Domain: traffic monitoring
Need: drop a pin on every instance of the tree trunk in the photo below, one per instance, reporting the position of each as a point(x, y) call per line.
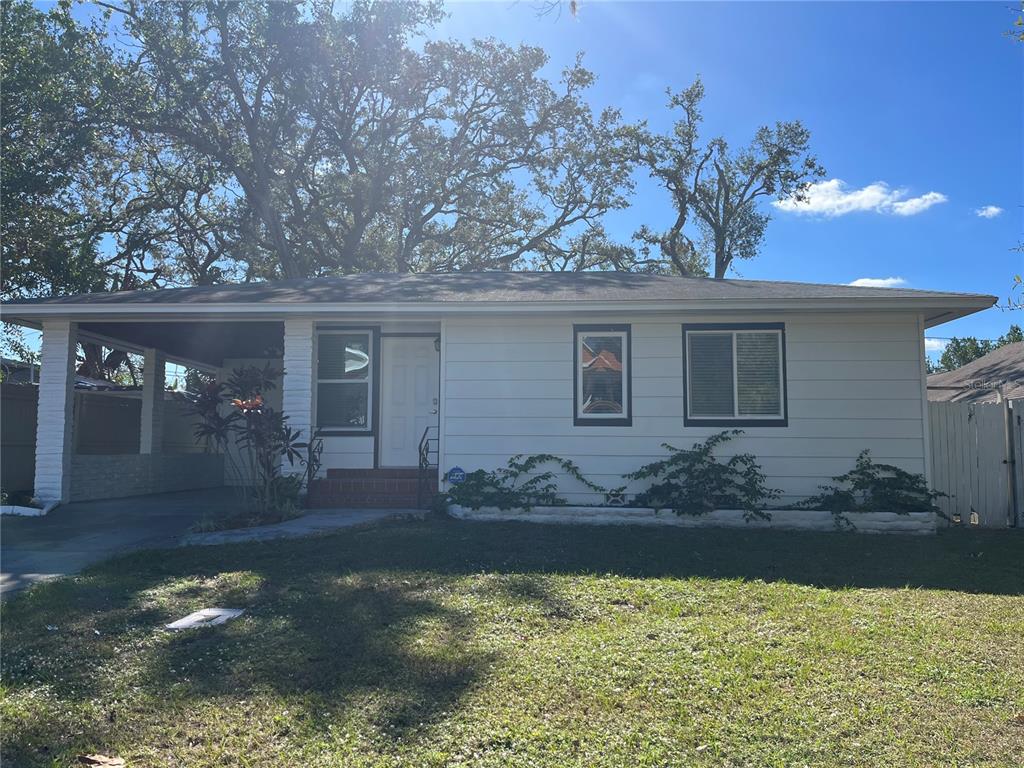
point(722, 258)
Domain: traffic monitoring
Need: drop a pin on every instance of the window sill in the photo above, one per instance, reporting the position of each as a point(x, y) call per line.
point(617, 422)
point(740, 422)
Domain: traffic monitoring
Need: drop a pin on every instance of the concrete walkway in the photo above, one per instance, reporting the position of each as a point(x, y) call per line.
point(75, 536)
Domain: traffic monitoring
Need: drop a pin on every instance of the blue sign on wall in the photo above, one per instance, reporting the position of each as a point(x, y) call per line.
point(456, 475)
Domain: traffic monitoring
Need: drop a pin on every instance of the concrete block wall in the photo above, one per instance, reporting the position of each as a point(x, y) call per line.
point(117, 476)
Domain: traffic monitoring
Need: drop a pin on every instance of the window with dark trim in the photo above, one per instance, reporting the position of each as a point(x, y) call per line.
point(344, 380)
point(735, 375)
point(602, 379)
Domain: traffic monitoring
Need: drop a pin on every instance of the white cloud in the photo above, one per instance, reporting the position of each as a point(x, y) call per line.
point(834, 198)
point(878, 282)
point(935, 345)
point(916, 205)
point(989, 211)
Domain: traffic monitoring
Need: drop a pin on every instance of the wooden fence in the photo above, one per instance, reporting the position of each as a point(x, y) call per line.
point(976, 456)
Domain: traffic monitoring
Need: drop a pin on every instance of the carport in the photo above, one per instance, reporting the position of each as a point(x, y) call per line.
point(141, 442)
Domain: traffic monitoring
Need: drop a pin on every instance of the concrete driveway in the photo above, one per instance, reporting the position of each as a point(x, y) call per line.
point(77, 535)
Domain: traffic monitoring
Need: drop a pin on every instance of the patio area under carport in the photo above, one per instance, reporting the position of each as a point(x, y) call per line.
point(153, 449)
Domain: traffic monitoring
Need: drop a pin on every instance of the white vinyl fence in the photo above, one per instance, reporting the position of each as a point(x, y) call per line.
point(976, 455)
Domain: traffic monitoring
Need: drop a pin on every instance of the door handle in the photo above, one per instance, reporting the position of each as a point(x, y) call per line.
point(433, 410)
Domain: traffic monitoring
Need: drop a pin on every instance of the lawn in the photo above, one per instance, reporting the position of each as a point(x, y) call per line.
point(450, 643)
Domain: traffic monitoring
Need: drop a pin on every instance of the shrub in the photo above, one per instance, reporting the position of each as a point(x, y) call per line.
point(514, 487)
point(871, 487)
point(234, 413)
point(693, 482)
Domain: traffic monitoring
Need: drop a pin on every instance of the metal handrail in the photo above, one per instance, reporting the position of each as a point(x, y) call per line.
point(425, 464)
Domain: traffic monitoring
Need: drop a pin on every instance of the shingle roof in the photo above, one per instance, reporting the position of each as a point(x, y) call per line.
point(492, 287)
point(1004, 366)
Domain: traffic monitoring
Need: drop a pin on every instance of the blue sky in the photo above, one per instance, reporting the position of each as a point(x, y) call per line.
point(922, 97)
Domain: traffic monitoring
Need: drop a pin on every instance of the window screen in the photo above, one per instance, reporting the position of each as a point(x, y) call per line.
point(758, 366)
point(711, 390)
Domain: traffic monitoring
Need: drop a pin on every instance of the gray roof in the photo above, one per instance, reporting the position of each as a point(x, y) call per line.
point(1003, 366)
point(492, 287)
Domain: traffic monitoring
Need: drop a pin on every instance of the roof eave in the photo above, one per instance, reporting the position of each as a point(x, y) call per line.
point(936, 310)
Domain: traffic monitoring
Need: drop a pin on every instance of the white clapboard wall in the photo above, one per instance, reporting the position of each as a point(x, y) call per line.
point(970, 461)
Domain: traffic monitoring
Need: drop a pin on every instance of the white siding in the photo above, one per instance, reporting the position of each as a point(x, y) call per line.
point(297, 379)
point(854, 382)
point(56, 400)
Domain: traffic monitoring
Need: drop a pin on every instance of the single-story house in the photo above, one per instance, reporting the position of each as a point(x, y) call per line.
point(1000, 373)
point(598, 367)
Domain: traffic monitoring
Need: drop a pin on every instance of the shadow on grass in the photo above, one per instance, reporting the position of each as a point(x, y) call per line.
point(974, 561)
point(372, 620)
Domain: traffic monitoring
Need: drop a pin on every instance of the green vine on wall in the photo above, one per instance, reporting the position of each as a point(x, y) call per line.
point(873, 487)
point(694, 482)
point(516, 487)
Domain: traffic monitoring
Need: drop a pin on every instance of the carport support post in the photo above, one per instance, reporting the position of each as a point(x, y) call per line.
point(297, 383)
point(152, 422)
point(56, 408)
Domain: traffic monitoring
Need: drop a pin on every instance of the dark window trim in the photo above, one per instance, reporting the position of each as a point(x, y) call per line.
point(596, 421)
point(739, 421)
point(374, 331)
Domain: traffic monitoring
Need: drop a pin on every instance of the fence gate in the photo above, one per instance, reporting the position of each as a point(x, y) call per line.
point(976, 453)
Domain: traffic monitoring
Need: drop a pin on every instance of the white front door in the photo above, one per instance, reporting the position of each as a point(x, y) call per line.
point(410, 367)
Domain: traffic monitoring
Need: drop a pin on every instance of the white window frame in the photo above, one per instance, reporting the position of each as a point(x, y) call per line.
point(775, 419)
point(625, 418)
point(368, 381)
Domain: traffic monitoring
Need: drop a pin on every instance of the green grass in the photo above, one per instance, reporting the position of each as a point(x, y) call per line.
point(447, 643)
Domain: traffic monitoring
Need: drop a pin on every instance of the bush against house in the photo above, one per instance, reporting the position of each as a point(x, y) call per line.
point(694, 481)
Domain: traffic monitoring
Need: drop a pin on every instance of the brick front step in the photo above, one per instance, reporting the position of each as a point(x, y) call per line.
point(370, 488)
point(385, 473)
point(319, 501)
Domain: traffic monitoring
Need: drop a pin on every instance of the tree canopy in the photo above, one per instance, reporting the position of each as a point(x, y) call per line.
point(963, 350)
point(715, 190)
point(201, 142)
point(327, 142)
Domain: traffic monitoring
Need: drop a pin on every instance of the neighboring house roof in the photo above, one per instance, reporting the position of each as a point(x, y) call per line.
point(974, 382)
point(507, 290)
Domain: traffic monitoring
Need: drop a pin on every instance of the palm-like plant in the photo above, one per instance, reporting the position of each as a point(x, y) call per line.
point(235, 420)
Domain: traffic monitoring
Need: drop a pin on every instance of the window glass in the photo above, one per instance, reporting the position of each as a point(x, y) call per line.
point(757, 374)
point(343, 405)
point(710, 375)
point(343, 356)
point(734, 374)
point(602, 374)
point(344, 374)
